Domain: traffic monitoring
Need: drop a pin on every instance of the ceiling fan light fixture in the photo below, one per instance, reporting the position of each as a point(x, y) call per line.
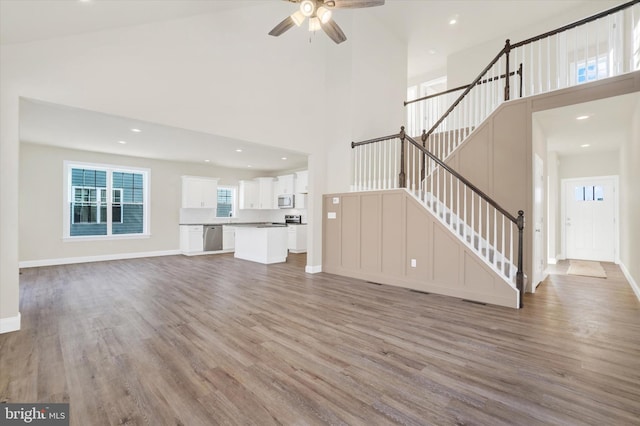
point(314, 24)
point(298, 18)
point(323, 14)
point(307, 7)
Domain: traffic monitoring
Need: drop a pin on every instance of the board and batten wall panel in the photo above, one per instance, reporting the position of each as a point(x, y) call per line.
point(370, 233)
point(385, 230)
point(350, 236)
point(418, 246)
point(392, 234)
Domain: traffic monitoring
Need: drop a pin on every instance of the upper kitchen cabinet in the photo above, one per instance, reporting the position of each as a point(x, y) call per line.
point(199, 192)
point(257, 194)
point(284, 185)
point(248, 194)
point(265, 193)
point(302, 182)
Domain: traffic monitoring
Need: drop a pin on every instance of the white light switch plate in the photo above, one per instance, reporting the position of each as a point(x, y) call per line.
point(413, 263)
point(331, 215)
point(336, 200)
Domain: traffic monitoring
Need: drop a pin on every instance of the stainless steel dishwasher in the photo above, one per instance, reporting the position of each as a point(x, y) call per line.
point(212, 237)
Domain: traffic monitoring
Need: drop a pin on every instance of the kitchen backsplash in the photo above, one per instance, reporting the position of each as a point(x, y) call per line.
point(197, 216)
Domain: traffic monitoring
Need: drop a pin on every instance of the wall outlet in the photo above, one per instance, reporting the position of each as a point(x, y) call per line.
point(413, 263)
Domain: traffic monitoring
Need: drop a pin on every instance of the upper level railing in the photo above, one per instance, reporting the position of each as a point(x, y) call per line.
point(399, 161)
point(601, 46)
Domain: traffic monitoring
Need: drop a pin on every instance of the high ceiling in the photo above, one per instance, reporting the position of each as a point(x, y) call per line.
point(423, 24)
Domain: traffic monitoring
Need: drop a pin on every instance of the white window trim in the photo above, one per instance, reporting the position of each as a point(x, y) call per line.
point(109, 168)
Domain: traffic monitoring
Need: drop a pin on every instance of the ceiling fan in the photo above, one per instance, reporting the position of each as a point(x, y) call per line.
point(319, 14)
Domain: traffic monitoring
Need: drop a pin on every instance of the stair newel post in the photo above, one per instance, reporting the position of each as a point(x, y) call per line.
point(507, 50)
point(520, 273)
point(423, 173)
point(402, 178)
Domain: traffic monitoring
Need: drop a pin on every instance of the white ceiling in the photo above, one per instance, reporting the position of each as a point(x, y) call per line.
point(56, 125)
point(608, 123)
point(422, 23)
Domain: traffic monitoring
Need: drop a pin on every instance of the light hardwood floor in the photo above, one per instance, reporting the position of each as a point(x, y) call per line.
point(210, 340)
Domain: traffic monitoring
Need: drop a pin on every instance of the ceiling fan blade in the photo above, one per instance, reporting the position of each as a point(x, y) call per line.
point(354, 4)
point(283, 26)
point(333, 31)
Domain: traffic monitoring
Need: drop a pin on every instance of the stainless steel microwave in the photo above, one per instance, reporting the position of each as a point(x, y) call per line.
point(285, 201)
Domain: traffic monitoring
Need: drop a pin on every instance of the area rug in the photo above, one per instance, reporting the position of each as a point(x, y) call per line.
point(586, 268)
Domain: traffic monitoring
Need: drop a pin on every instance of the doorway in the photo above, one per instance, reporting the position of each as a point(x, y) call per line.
point(589, 218)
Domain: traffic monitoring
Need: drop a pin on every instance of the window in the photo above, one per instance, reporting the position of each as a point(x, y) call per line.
point(590, 71)
point(90, 212)
point(226, 201)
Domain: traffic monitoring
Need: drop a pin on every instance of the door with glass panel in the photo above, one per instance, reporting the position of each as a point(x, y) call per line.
point(590, 218)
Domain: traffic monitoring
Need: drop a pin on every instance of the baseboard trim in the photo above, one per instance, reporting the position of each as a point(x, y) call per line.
point(100, 258)
point(7, 325)
point(315, 269)
point(632, 282)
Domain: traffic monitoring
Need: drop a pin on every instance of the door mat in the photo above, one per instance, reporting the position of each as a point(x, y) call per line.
point(586, 268)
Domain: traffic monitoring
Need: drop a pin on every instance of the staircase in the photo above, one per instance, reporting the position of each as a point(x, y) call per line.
point(598, 47)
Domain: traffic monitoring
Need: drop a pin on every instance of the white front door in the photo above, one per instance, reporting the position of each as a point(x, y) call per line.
point(538, 223)
point(590, 218)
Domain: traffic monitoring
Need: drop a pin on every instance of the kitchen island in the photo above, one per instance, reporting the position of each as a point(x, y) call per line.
point(261, 243)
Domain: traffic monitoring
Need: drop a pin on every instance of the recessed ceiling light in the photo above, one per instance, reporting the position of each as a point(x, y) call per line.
point(283, 158)
point(453, 20)
point(136, 130)
point(122, 142)
point(432, 51)
point(585, 145)
point(206, 161)
point(238, 150)
point(582, 117)
point(249, 165)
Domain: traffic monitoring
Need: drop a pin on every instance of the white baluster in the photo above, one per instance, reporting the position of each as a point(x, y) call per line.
point(488, 230)
point(464, 200)
point(495, 236)
point(502, 249)
point(479, 222)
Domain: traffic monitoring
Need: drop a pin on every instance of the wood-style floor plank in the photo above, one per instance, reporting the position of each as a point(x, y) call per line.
point(210, 340)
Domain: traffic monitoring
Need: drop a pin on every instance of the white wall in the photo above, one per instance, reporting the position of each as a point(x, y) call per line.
point(630, 203)
point(589, 164)
point(219, 74)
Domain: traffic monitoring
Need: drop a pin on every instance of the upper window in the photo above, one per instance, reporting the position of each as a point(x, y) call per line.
point(91, 212)
point(226, 202)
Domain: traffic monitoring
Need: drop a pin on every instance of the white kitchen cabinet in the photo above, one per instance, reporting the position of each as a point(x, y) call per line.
point(228, 237)
point(265, 193)
point(248, 194)
point(191, 239)
point(300, 201)
point(302, 182)
point(257, 194)
point(285, 185)
point(199, 192)
point(297, 241)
